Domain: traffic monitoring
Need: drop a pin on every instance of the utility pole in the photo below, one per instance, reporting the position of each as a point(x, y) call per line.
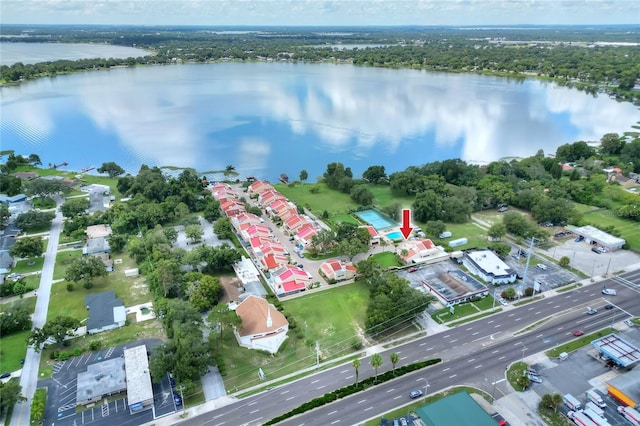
point(606, 274)
point(184, 404)
point(526, 268)
point(317, 355)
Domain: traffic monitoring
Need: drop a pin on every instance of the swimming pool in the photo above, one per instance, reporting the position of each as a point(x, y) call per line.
point(395, 235)
point(376, 219)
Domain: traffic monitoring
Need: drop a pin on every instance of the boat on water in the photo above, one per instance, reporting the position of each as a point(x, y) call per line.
point(284, 178)
point(87, 169)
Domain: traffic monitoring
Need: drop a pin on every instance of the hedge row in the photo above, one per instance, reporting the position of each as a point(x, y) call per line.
point(343, 392)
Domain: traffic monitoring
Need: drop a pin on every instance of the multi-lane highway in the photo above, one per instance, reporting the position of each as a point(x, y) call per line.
point(471, 353)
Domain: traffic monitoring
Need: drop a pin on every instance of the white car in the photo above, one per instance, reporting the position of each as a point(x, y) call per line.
point(541, 266)
point(534, 378)
point(502, 301)
point(609, 292)
point(629, 323)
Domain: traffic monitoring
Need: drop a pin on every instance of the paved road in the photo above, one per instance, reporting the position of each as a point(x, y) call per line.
point(471, 353)
point(29, 378)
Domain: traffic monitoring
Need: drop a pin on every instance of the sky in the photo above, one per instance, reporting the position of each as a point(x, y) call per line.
point(320, 12)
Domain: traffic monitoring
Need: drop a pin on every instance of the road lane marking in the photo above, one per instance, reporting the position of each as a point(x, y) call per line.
point(253, 403)
point(489, 322)
point(451, 377)
point(471, 360)
point(496, 351)
point(282, 393)
point(344, 371)
point(333, 412)
point(448, 368)
point(290, 398)
point(334, 422)
point(399, 396)
point(510, 315)
point(422, 344)
point(470, 328)
point(453, 341)
point(390, 390)
point(403, 358)
point(477, 332)
point(517, 319)
point(478, 366)
point(320, 387)
point(315, 381)
point(368, 408)
point(530, 309)
point(253, 412)
point(502, 357)
point(360, 402)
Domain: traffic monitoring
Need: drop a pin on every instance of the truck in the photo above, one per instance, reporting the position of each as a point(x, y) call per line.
point(630, 414)
point(593, 407)
point(596, 398)
point(599, 420)
point(580, 418)
point(571, 402)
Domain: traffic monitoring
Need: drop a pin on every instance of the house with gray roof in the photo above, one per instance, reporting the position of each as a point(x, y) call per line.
point(96, 246)
point(106, 312)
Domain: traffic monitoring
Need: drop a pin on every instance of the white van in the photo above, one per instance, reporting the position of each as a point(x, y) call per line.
point(596, 398)
point(593, 407)
point(571, 402)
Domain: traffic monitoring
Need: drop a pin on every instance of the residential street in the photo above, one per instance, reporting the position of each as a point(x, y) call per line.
point(29, 377)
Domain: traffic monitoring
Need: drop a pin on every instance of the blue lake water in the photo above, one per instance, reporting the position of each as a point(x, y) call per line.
point(32, 53)
point(272, 118)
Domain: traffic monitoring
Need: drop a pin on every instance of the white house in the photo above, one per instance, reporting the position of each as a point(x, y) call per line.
point(263, 326)
point(489, 267)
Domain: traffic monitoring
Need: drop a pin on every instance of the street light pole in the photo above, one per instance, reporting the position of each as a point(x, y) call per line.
point(426, 386)
point(526, 268)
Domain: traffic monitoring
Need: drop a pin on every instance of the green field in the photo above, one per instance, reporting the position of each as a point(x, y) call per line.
point(344, 218)
point(327, 199)
point(132, 291)
point(386, 259)
point(476, 236)
point(63, 260)
point(26, 266)
point(13, 348)
point(329, 317)
point(383, 196)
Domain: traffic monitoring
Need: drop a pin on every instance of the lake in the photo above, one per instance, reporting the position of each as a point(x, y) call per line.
point(271, 118)
point(32, 53)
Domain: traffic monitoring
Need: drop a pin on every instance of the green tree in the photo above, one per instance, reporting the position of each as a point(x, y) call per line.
point(509, 293)
point(374, 174)
point(10, 185)
point(10, 394)
point(427, 206)
point(356, 366)
point(362, 195)
point(16, 317)
point(303, 175)
point(171, 234)
point(564, 261)
point(223, 228)
point(33, 220)
point(455, 210)
point(194, 233)
point(351, 247)
point(205, 292)
point(4, 216)
point(27, 247)
point(58, 328)
point(376, 362)
point(84, 269)
point(394, 357)
point(111, 168)
point(45, 188)
point(222, 318)
point(72, 207)
point(497, 230)
point(500, 248)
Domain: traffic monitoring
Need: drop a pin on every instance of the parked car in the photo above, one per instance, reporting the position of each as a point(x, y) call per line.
point(177, 399)
point(415, 394)
point(535, 378)
point(403, 421)
point(5, 375)
point(580, 238)
point(598, 250)
point(502, 301)
point(503, 209)
point(541, 266)
point(578, 333)
point(413, 269)
point(629, 323)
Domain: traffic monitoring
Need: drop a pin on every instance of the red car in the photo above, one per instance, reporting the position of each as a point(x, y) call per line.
point(578, 333)
point(413, 269)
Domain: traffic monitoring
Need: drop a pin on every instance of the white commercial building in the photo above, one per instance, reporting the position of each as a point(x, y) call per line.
point(488, 266)
point(599, 238)
point(139, 389)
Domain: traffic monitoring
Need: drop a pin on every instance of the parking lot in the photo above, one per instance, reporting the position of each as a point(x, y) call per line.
point(551, 277)
point(62, 386)
point(578, 374)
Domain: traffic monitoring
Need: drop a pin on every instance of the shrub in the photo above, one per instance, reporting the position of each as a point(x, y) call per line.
point(64, 355)
point(77, 351)
point(70, 286)
point(356, 345)
point(95, 345)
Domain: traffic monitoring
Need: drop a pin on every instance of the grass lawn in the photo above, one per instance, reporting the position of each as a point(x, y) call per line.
point(330, 317)
point(63, 260)
point(132, 291)
point(28, 265)
point(102, 180)
point(578, 343)
point(514, 373)
point(443, 315)
point(476, 236)
point(386, 259)
point(629, 230)
point(13, 348)
point(327, 199)
point(383, 196)
point(30, 302)
point(344, 218)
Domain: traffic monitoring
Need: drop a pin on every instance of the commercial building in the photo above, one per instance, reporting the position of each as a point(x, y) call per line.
point(488, 266)
point(598, 238)
point(626, 388)
point(139, 389)
point(454, 286)
point(100, 381)
point(621, 351)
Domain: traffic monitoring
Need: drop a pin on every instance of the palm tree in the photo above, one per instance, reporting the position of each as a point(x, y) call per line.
point(376, 362)
point(229, 169)
point(356, 365)
point(394, 357)
point(557, 401)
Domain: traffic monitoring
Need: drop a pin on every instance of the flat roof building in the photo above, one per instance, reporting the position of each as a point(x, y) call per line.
point(623, 352)
point(595, 236)
point(458, 409)
point(489, 267)
point(626, 388)
point(100, 380)
point(139, 389)
point(454, 286)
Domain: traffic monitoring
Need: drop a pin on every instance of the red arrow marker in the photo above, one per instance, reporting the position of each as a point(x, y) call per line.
point(406, 223)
